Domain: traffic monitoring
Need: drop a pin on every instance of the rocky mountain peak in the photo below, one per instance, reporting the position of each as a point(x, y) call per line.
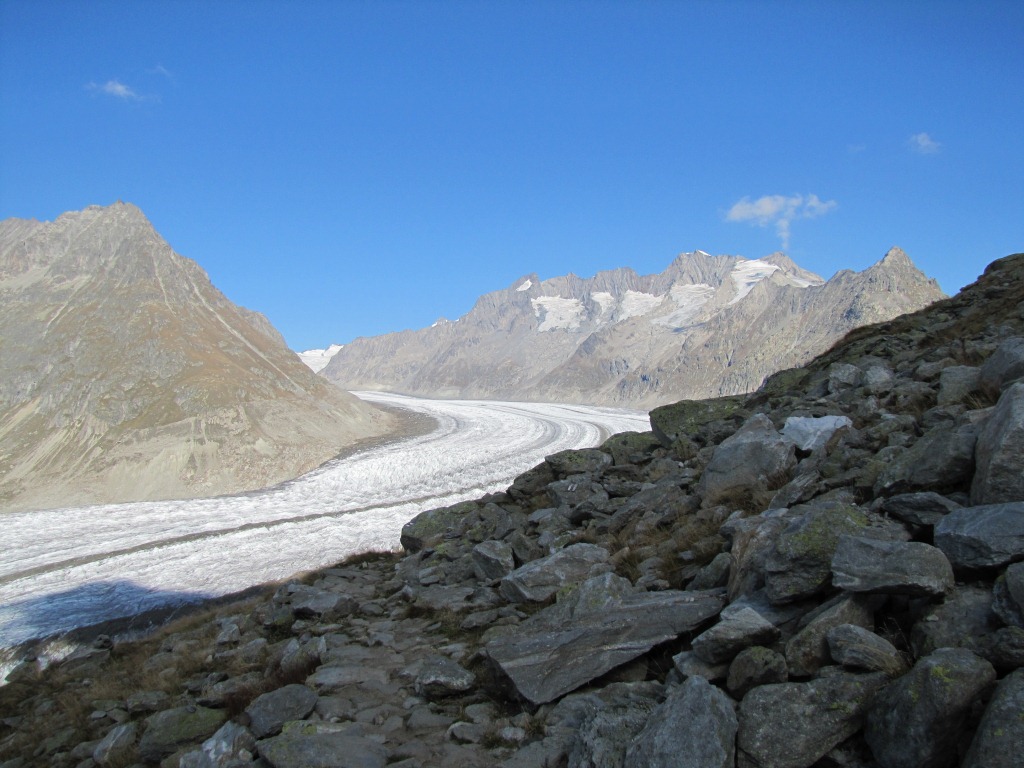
point(128, 375)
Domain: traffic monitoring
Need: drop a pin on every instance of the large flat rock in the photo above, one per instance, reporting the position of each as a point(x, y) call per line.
point(547, 659)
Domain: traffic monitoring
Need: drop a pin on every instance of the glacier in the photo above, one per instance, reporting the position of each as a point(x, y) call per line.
point(67, 568)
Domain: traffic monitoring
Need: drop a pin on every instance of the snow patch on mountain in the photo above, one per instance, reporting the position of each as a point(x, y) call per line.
point(689, 300)
point(605, 301)
point(527, 284)
point(636, 303)
point(558, 312)
point(317, 359)
point(748, 273)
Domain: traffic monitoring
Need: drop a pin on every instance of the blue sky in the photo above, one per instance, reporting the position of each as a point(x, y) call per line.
point(354, 168)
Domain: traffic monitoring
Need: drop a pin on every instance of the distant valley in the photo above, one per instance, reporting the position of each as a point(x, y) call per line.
point(706, 326)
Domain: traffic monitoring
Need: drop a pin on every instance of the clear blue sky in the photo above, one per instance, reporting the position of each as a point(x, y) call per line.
point(353, 168)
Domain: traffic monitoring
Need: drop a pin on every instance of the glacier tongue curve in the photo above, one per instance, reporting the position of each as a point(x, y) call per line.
point(70, 568)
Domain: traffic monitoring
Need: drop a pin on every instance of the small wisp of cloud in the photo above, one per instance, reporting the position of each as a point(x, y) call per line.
point(779, 210)
point(116, 89)
point(923, 144)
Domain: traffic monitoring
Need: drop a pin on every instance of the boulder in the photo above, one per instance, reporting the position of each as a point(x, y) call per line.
point(546, 658)
point(1000, 735)
point(810, 433)
point(963, 618)
point(800, 564)
point(429, 528)
point(793, 725)
point(956, 382)
point(920, 508)
point(754, 459)
point(861, 649)
point(339, 749)
point(539, 580)
point(116, 748)
point(941, 460)
point(999, 455)
point(689, 418)
point(578, 462)
point(988, 536)
point(270, 711)
point(808, 650)
point(168, 731)
point(441, 677)
point(492, 560)
point(731, 635)
point(919, 719)
point(895, 567)
point(755, 667)
point(1008, 596)
point(1006, 364)
point(695, 727)
point(603, 734)
point(231, 746)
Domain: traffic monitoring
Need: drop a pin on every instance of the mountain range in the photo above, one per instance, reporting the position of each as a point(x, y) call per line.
point(706, 326)
point(128, 376)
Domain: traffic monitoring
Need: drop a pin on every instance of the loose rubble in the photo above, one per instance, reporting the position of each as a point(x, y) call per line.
point(827, 572)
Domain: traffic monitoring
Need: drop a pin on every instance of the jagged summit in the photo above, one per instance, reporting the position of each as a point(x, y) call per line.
point(707, 325)
point(128, 375)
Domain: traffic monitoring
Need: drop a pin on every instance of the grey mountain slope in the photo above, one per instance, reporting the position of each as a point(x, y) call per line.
point(126, 375)
point(706, 326)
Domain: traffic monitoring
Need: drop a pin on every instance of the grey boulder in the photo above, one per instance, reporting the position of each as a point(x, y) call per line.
point(999, 456)
point(755, 458)
point(982, 537)
point(1000, 735)
point(731, 635)
point(270, 711)
point(918, 719)
point(895, 567)
point(695, 727)
point(538, 580)
point(547, 657)
point(793, 725)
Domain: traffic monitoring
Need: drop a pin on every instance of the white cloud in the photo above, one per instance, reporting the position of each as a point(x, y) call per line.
point(780, 211)
point(923, 144)
point(116, 89)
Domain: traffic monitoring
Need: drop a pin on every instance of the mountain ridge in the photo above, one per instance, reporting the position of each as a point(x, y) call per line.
point(705, 326)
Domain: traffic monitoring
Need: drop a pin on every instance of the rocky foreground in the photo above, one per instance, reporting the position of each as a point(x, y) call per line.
point(827, 572)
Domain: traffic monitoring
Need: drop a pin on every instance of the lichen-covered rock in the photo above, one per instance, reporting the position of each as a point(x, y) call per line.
point(800, 564)
point(578, 462)
point(808, 650)
point(919, 719)
point(1000, 735)
point(270, 711)
point(793, 725)
point(961, 620)
point(430, 527)
point(689, 418)
point(171, 729)
point(695, 727)
point(731, 635)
